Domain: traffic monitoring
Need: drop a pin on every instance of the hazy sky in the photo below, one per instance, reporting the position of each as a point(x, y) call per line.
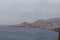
point(17, 11)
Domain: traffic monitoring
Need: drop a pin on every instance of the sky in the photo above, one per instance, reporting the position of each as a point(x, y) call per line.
point(18, 11)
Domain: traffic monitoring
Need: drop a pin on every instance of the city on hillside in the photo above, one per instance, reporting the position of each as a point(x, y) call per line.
point(48, 24)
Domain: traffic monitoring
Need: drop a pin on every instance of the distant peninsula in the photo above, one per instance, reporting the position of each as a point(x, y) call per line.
point(41, 23)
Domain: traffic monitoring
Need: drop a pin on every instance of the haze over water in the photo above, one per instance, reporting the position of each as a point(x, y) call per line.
point(17, 11)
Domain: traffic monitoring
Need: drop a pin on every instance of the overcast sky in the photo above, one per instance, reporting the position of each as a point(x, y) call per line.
point(18, 11)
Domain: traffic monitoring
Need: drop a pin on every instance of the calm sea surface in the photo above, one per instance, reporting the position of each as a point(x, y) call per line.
point(16, 33)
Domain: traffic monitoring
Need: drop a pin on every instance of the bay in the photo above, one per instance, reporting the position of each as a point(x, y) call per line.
point(16, 33)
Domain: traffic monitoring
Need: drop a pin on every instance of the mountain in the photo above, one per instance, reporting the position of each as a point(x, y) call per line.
point(49, 23)
point(53, 20)
point(40, 21)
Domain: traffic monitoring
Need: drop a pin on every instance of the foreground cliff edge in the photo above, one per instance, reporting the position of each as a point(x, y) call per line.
point(58, 36)
point(57, 30)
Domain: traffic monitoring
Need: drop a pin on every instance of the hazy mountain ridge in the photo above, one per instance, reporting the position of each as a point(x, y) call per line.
point(41, 23)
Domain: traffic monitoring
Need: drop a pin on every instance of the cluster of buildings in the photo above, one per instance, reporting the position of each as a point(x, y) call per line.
point(40, 25)
point(44, 24)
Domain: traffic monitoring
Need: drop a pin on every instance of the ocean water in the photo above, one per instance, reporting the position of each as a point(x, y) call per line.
point(16, 33)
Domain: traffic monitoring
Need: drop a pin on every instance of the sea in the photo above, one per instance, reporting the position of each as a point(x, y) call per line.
point(17, 33)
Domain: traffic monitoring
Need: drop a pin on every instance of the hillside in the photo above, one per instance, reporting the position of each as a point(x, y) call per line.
point(49, 23)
